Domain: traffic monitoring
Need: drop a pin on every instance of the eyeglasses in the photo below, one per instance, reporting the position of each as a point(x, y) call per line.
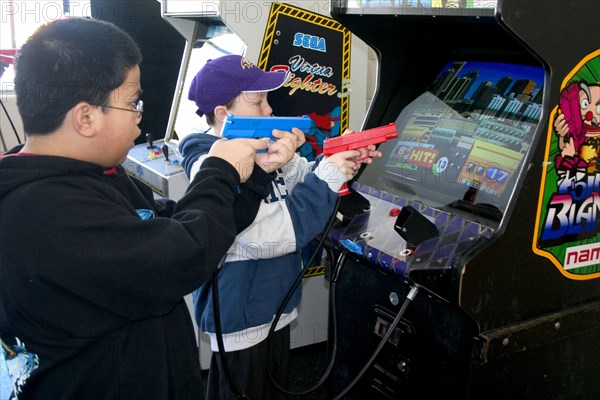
point(138, 105)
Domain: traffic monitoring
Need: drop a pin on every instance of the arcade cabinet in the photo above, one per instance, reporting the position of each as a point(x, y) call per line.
point(472, 246)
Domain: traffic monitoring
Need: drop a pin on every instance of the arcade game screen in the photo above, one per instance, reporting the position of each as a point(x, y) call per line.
point(462, 142)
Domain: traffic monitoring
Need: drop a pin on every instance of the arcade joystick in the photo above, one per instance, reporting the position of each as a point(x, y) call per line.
point(150, 140)
point(165, 151)
point(157, 164)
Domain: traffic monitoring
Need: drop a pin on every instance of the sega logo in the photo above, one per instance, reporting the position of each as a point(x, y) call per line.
point(309, 42)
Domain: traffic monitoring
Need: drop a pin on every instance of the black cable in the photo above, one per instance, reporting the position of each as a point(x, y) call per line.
point(239, 392)
point(409, 298)
point(11, 124)
point(232, 381)
point(287, 299)
point(235, 387)
point(332, 288)
point(4, 147)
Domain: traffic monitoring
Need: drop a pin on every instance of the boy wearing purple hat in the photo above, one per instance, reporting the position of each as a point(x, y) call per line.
point(263, 263)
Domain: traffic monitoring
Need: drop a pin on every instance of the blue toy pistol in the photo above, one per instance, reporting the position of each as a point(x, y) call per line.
point(260, 127)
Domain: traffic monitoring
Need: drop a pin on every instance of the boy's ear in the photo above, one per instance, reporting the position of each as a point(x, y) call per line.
point(84, 118)
point(221, 113)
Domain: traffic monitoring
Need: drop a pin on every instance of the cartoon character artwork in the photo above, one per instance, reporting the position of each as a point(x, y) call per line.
point(20, 364)
point(568, 217)
point(578, 127)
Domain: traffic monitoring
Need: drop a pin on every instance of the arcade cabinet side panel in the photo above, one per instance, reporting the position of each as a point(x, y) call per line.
point(535, 292)
point(526, 272)
point(554, 357)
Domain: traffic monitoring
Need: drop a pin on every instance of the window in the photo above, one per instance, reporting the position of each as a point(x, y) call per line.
point(19, 19)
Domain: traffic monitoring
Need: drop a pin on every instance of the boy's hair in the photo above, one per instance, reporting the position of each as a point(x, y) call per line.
point(211, 119)
point(68, 61)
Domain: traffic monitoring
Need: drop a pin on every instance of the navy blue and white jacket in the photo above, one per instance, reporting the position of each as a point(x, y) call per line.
point(264, 261)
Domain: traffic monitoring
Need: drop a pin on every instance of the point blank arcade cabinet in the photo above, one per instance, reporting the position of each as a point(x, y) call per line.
point(478, 204)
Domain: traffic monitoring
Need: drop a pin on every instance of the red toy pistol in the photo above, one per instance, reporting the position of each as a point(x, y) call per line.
point(358, 140)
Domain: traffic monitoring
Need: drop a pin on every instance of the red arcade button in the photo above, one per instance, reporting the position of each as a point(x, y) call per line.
point(394, 212)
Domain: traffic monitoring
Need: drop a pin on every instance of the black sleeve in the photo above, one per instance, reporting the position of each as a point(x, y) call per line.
point(252, 193)
point(163, 207)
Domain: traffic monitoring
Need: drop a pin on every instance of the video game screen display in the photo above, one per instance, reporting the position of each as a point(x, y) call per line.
point(462, 142)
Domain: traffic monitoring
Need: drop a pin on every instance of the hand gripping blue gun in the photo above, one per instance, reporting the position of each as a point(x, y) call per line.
point(260, 127)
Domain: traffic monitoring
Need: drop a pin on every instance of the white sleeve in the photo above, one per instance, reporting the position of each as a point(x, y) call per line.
point(270, 235)
point(272, 232)
point(295, 170)
point(196, 166)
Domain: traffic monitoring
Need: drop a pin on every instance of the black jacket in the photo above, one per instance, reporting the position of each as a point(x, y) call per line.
point(90, 292)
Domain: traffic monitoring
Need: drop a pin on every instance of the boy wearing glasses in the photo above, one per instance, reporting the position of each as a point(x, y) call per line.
point(93, 270)
point(265, 259)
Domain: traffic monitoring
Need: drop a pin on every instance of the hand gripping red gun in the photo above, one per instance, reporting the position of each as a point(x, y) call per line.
point(358, 140)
